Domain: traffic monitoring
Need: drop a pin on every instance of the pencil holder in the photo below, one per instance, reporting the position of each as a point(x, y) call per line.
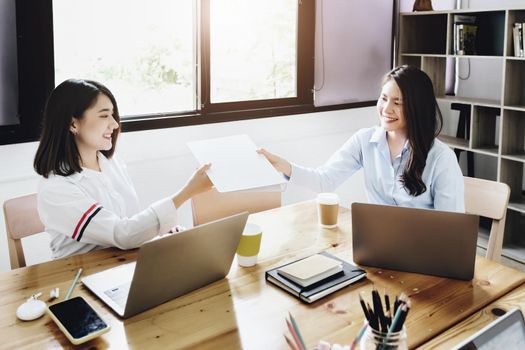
point(375, 340)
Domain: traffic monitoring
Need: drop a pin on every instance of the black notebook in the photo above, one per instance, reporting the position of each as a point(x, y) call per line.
point(316, 291)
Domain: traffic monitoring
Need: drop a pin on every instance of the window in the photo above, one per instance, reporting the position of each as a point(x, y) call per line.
point(144, 52)
point(174, 62)
point(253, 50)
point(148, 57)
point(169, 63)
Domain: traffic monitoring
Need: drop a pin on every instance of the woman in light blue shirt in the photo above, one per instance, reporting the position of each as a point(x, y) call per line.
point(403, 161)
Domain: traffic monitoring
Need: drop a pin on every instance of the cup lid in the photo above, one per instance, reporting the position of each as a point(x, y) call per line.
point(328, 198)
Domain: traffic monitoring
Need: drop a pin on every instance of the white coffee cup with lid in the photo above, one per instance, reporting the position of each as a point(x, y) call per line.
point(328, 209)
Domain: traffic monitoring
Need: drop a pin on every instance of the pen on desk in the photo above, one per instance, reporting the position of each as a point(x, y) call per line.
point(68, 294)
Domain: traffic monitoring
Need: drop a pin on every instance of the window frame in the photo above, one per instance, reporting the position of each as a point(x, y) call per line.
point(305, 66)
point(36, 60)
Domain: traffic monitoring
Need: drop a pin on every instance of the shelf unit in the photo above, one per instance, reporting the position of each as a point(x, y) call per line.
point(497, 125)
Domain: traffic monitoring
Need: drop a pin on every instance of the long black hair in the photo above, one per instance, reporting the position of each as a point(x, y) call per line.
point(423, 118)
point(57, 152)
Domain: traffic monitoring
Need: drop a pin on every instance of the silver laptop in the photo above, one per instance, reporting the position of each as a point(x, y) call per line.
point(506, 332)
point(424, 241)
point(169, 267)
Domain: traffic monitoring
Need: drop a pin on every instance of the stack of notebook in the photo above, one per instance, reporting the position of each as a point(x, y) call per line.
point(314, 277)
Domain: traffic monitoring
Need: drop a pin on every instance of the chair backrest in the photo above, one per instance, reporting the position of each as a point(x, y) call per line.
point(21, 220)
point(213, 205)
point(490, 199)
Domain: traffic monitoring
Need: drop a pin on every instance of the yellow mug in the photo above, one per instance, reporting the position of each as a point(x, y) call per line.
point(249, 245)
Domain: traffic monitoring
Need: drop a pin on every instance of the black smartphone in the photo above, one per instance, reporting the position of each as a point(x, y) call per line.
point(77, 319)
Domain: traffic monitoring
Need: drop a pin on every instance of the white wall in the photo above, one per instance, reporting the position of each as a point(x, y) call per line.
point(159, 161)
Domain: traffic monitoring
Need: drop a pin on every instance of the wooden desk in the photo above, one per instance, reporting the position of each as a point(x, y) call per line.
point(463, 330)
point(243, 311)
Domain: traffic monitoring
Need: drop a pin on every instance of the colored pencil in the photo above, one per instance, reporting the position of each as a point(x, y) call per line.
point(395, 321)
point(359, 336)
point(294, 335)
point(294, 324)
point(290, 343)
point(403, 316)
point(68, 294)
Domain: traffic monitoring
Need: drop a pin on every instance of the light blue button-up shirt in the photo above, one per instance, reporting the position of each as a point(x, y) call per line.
point(368, 150)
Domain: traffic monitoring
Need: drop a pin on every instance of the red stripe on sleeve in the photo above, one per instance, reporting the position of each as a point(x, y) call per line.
point(82, 219)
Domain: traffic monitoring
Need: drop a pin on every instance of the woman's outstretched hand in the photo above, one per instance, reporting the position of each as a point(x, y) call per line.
point(280, 164)
point(198, 182)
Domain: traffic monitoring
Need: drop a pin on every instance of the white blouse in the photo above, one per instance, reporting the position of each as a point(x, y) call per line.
point(91, 210)
point(368, 150)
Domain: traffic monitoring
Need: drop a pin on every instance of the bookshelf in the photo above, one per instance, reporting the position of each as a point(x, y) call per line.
point(495, 131)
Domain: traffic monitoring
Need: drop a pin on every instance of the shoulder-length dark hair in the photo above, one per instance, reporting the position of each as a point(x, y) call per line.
point(423, 119)
point(57, 152)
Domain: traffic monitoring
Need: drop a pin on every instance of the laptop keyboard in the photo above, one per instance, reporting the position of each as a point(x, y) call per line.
point(119, 294)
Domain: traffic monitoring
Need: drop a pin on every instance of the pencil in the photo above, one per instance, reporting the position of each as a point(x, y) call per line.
point(373, 318)
point(363, 306)
point(68, 294)
point(294, 335)
point(387, 302)
point(396, 304)
point(290, 343)
point(403, 317)
point(294, 324)
point(378, 309)
point(397, 316)
point(359, 336)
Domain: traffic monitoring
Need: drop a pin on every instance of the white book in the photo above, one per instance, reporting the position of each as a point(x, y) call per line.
point(310, 270)
point(461, 40)
point(522, 36)
point(518, 39)
point(515, 42)
point(309, 294)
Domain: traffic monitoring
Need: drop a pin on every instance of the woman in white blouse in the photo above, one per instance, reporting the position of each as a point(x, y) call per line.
point(403, 161)
point(86, 199)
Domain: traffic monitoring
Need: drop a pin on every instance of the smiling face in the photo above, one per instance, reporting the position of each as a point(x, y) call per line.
point(390, 108)
point(93, 132)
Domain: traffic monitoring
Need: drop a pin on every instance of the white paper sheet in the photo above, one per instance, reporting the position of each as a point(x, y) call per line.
point(236, 166)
